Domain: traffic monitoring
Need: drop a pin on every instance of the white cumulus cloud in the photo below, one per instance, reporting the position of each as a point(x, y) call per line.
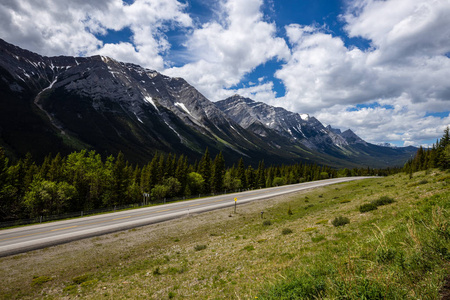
point(223, 51)
point(53, 27)
point(407, 62)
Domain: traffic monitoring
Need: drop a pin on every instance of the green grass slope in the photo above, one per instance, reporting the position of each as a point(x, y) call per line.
point(400, 250)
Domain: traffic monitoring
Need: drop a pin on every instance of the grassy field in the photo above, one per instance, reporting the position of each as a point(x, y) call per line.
point(398, 248)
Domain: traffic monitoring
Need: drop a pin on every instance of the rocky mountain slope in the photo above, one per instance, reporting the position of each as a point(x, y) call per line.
point(62, 104)
point(260, 118)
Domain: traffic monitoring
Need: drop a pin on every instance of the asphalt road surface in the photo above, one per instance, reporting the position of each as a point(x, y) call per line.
point(23, 239)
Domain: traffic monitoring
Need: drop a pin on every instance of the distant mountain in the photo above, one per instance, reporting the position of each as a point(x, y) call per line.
point(387, 145)
point(260, 118)
point(304, 129)
point(62, 104)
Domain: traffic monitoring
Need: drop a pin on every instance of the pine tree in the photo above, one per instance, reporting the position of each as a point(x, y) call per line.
point(181, 171)
point(444, 150)
point(241, 173)
point(270, 176)
point(153, 171)
point(45, 167)
point(56, 172)
point(120, 180)
point(3, 168)
point(29, 169)
point(250, 177)
point(261, 176)
point(218, 171)
point(445, 140)
point(161, 169)
point(419, 159)
point(136, 174)
point(204, 169)
point(5, 203)
point(145, 179)
point(169, 167)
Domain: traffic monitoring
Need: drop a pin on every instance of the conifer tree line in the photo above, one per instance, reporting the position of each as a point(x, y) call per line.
point(436, 157)
point(83, 181)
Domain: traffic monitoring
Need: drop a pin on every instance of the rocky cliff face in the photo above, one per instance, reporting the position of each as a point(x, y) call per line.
point(260, 117)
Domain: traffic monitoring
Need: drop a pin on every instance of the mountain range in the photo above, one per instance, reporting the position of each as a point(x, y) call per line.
point(64, 104)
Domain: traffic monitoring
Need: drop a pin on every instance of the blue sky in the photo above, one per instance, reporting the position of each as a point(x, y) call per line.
point(380, 68)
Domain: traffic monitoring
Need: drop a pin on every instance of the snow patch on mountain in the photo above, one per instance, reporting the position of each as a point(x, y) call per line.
point(183, 107)
point(150, 100)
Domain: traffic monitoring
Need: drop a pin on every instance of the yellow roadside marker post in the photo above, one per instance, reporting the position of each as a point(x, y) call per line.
point(235, 202)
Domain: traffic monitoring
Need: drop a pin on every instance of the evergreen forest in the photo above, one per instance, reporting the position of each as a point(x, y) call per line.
point(84, 181)
point(436, 157)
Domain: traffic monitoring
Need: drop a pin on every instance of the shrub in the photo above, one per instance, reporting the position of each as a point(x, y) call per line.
point(340, 221)
point(89, 283)
point(286, 231)
point(385, 255)
point(175, 270)
point(249, 248)
point(267, 222)
point(70, 288)
point(322, 222)
point(80, 279)
point(318, 238)
point(384, 200)
point(199, 247)
point(40, 280)
point(303, 287)
point(367, 207)
point(309, 229)
point(157, 271)
point(289, 212)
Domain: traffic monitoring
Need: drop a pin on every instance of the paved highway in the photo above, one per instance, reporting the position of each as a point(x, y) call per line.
point(22, 239)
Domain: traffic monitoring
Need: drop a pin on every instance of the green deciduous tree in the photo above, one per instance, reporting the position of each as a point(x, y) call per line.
point(48, 197)
point(173, 185)
point(159, 192)
point(230, 182)
point(278, 181)
point(195, 183)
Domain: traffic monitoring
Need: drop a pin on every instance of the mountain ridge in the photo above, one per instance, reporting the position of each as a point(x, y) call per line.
point(69, 103)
